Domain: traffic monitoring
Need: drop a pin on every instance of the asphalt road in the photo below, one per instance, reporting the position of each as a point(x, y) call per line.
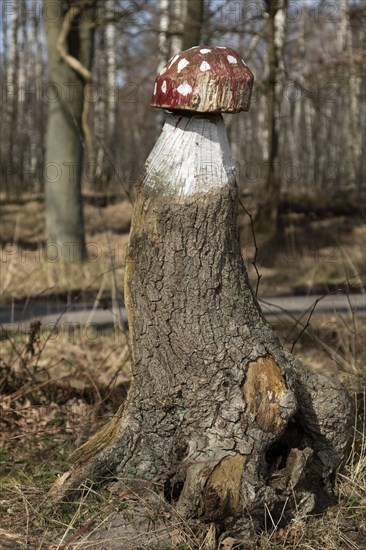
point(19, 316)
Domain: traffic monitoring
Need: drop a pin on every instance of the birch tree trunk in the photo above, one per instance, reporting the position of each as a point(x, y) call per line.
point(64, 138)
point(184, 25)
point(276, 32)
point(20, 147)
point(100, 108)
point(163, 34)
point(178, 15)
point(353, 138)
point(164, 21)
point(3, 104)
point(217, 409)
point(111, 44)
point(34, 76)
point(13, 163)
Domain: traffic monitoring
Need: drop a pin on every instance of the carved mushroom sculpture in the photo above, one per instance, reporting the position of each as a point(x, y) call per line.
point(196, 86)
point(217, 408)
point(204, 80)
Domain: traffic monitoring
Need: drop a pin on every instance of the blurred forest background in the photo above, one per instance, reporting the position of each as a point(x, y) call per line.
point(300, 150)
point(317, 67)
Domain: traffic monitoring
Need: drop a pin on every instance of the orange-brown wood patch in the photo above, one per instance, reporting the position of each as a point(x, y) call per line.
point(263, 389)
point(222, 491)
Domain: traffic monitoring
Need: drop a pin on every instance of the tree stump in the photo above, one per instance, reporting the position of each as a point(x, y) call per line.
point(218, 410)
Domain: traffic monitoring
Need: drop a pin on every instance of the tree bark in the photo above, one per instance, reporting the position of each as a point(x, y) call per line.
point(217, 408)
point(64, 138)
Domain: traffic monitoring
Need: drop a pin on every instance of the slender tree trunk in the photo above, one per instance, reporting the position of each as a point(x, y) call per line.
point(179, 9)
point(163, 34)
point(193, 24)
point(217, 408)
point(3, 107)
point(276, 32)
point(100, 109)
point(311, 117)
point(12, 162)
point(105, 109)
point(64, 138)
point(20, 146)
point(35, 107)
point(353, 138)
point(361, 175)
point(164, 21)
point(111, 44)
point(184, 23)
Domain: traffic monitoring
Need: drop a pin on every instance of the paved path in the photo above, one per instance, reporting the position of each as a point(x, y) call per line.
point(20, 317)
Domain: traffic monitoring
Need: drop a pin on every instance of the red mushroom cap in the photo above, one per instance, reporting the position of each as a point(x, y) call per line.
point(204, 79)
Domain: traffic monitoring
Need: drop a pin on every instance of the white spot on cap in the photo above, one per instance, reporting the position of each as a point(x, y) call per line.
point(244, 62)
point(205, 66)
point(163, 87)
point(205, 50)
point(184, 89)
point(155, 88)
point(182, 63)
point(174, 59)
point(222, 47)
point(232, 60)
point(163, 70)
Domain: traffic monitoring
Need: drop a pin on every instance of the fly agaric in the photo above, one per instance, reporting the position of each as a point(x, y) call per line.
point(204, 79)
point(192, 154)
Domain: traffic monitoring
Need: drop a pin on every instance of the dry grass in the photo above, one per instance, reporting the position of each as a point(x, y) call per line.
point(312, 255)
point(333, 344)
point(60, 388)
point(26, 270)
point(54, 394)
point(54, 399)
point(146, 522)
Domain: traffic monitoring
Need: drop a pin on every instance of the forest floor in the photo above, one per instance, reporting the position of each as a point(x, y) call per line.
point(57, 388)
point(318, 251)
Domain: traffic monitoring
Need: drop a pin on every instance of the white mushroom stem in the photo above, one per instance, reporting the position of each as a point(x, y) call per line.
point(192, 155)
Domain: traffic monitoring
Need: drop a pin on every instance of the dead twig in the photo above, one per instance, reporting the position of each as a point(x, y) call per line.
point(307, 324)
point(254, 261)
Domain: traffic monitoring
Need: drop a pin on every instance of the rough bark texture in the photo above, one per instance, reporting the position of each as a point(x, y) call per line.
point(217, 408)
